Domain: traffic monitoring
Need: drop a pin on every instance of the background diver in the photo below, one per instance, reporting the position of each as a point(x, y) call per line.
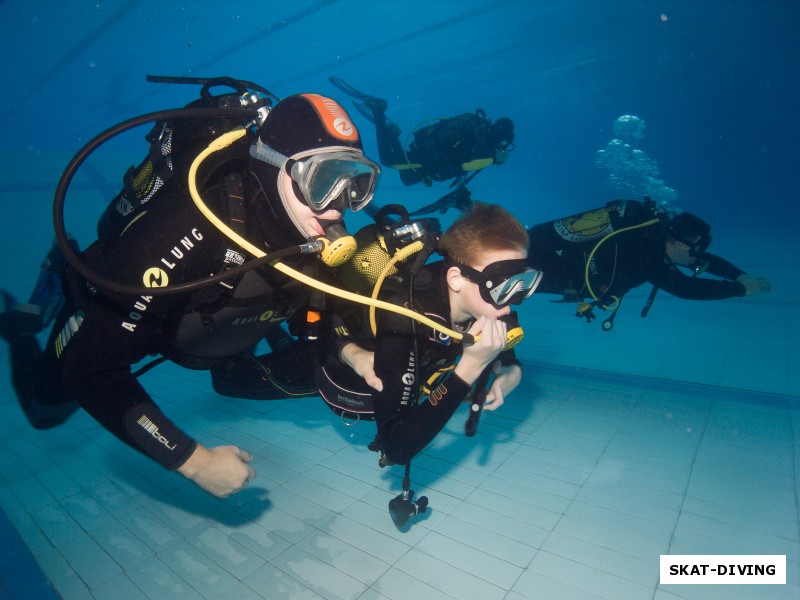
point(275, 183)
point(602, 254)
point(455, 148)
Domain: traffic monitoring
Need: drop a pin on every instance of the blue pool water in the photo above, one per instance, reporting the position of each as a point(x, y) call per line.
point(674, 434)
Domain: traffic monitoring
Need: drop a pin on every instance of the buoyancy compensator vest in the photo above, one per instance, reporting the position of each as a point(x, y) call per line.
point(174, 143)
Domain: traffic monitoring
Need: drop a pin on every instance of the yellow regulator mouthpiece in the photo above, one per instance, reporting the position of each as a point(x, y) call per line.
point(513, 337)
point(338, 251)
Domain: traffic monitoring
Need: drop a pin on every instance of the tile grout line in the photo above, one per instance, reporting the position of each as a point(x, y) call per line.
point(709, 412)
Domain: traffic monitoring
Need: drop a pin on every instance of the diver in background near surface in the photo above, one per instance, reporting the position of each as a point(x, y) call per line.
point(455, 148)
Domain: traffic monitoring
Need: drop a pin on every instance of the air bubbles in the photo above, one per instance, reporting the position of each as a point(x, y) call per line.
point(628, 169)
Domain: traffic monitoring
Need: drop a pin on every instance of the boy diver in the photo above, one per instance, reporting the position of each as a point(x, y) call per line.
point(421, 376)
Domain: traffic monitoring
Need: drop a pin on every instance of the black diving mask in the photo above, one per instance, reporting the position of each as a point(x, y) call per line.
point(503, 282)
point(698, 248)
point(324, 175)
point(692, 231)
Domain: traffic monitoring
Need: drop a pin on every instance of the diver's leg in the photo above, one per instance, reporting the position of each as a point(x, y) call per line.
point(285, 373)
point(390, 150)
point(374, 109)
point(36, 374)
point(47, 298)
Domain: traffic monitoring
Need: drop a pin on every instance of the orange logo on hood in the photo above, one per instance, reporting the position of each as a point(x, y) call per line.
point(336, 121)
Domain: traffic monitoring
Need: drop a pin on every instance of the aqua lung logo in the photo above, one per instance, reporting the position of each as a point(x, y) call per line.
point(343, 126)
point(183, 247)
point(155, 277)
point(136, 313)
point(408, 379)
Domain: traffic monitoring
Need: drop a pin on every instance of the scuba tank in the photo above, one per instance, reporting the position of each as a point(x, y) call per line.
point(174, 142)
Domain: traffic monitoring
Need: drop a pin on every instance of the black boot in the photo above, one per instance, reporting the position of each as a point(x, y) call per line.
point(47, 296)
point(16, 319)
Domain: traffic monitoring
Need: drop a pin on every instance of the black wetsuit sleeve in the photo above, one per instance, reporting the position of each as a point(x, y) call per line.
point(118, 331)
point(722, 268)
point(403, 427)
point(97, 373)
point(681, 285)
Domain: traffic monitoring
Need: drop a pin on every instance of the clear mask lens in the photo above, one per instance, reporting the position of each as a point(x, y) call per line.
point(326, 174)
point(324, 177)
point(327, 179)
point(504, 282)
point(516, 288)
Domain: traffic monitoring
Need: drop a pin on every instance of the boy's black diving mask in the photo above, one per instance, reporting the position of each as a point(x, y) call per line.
point(503, 282)
point(325, 174)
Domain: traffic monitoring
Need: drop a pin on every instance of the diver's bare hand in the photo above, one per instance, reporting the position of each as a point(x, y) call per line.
point(363, 363)
point(505, 381)
point(490, 337)
point(221, 471)
point(754, 285)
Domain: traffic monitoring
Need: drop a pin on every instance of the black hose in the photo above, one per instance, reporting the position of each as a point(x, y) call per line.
point(478, 400)
point(181, 288)
point(69, 172)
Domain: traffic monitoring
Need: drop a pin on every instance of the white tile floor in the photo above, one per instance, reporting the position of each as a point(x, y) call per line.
point(571, 492)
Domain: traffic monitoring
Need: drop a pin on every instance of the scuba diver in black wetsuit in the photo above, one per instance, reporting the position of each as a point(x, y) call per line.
point(284, 186)
point(602, 254)
point(456, 148)
point(421, 376)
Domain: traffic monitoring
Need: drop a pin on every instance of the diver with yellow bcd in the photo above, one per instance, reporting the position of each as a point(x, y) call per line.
point(594, 258)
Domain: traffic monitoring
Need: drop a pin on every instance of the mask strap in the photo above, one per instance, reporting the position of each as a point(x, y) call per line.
point(266, 154)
